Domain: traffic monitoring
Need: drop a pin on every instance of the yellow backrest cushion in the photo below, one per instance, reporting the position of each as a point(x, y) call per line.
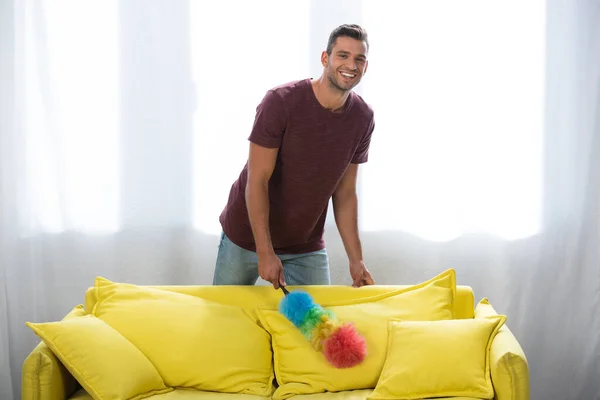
point(194, 343)
point(251, 297)
point(427, 359)
point(300, 369)
point(106, 364)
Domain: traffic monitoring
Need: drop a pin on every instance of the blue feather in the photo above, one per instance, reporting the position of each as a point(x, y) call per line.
point(295, 306)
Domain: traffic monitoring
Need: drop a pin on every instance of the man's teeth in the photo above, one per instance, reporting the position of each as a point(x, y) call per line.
point(348, 75)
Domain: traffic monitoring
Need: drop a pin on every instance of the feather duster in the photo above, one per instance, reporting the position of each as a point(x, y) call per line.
point(341, 344)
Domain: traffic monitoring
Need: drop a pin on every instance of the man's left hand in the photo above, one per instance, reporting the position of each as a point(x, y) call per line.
point(360, 274)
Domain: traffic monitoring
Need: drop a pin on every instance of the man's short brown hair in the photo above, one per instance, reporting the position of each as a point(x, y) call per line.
point(350, 30)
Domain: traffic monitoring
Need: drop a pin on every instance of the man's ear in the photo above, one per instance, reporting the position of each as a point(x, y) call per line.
point(366, 67)
point(324, 58)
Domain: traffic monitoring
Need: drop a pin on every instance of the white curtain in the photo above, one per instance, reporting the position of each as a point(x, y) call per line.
point(123, 125)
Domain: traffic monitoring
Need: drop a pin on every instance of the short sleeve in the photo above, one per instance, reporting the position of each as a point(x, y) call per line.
point(361, 155)
point(269, 122)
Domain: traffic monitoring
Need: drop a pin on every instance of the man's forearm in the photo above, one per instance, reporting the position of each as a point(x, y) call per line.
point(345, 208)
point(257, 202)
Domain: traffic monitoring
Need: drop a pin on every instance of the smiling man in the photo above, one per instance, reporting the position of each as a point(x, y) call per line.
point(308, 138)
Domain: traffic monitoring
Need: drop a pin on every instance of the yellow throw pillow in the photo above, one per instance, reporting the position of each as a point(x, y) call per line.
point(509, 366)
point(40, 367)
point(438, 359)
point(193, 343)
point(300, 369)
point(106, 364)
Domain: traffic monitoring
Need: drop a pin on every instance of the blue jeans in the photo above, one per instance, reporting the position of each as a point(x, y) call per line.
point(238, 266)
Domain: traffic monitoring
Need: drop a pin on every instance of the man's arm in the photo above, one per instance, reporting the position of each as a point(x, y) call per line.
point(345, 208)
point(261, 163)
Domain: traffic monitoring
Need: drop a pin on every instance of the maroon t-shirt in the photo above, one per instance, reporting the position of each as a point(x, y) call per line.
point(315, 148)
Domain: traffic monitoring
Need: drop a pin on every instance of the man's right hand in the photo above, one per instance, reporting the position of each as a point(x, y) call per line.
point(270, 269)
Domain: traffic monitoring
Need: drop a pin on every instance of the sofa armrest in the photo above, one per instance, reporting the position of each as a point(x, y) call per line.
point(44, 377)
point(509, 367)
point(508, 364)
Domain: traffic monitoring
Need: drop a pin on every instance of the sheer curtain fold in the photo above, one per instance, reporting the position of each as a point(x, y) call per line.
point(7, 370)
point(563, 294)
point(123, 125)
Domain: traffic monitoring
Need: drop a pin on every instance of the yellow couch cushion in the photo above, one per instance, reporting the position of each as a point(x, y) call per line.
point(509, 366)
point(360, 394)
point(106, 364)
point(194, 343)
point(185, 394)
point(302, 370)
point(438, 359)
point(43, 376)
point(251, 297)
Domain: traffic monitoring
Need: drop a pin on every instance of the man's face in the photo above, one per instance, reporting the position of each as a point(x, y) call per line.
point(347, 63)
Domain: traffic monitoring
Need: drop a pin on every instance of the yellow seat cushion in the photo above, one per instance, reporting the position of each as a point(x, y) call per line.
point(300, 369)
point(360, 394)
point(105, 363)
point(508, 364)
point(185, 394)
point(193, 342)
point(428, 359)
point(354, 395)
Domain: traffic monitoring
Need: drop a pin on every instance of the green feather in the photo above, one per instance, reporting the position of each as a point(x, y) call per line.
point(312, 319)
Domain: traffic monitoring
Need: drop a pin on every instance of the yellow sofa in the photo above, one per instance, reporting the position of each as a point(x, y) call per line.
point(231, 342)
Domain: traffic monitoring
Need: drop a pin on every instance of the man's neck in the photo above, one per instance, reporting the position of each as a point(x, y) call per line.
point(328, 95)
